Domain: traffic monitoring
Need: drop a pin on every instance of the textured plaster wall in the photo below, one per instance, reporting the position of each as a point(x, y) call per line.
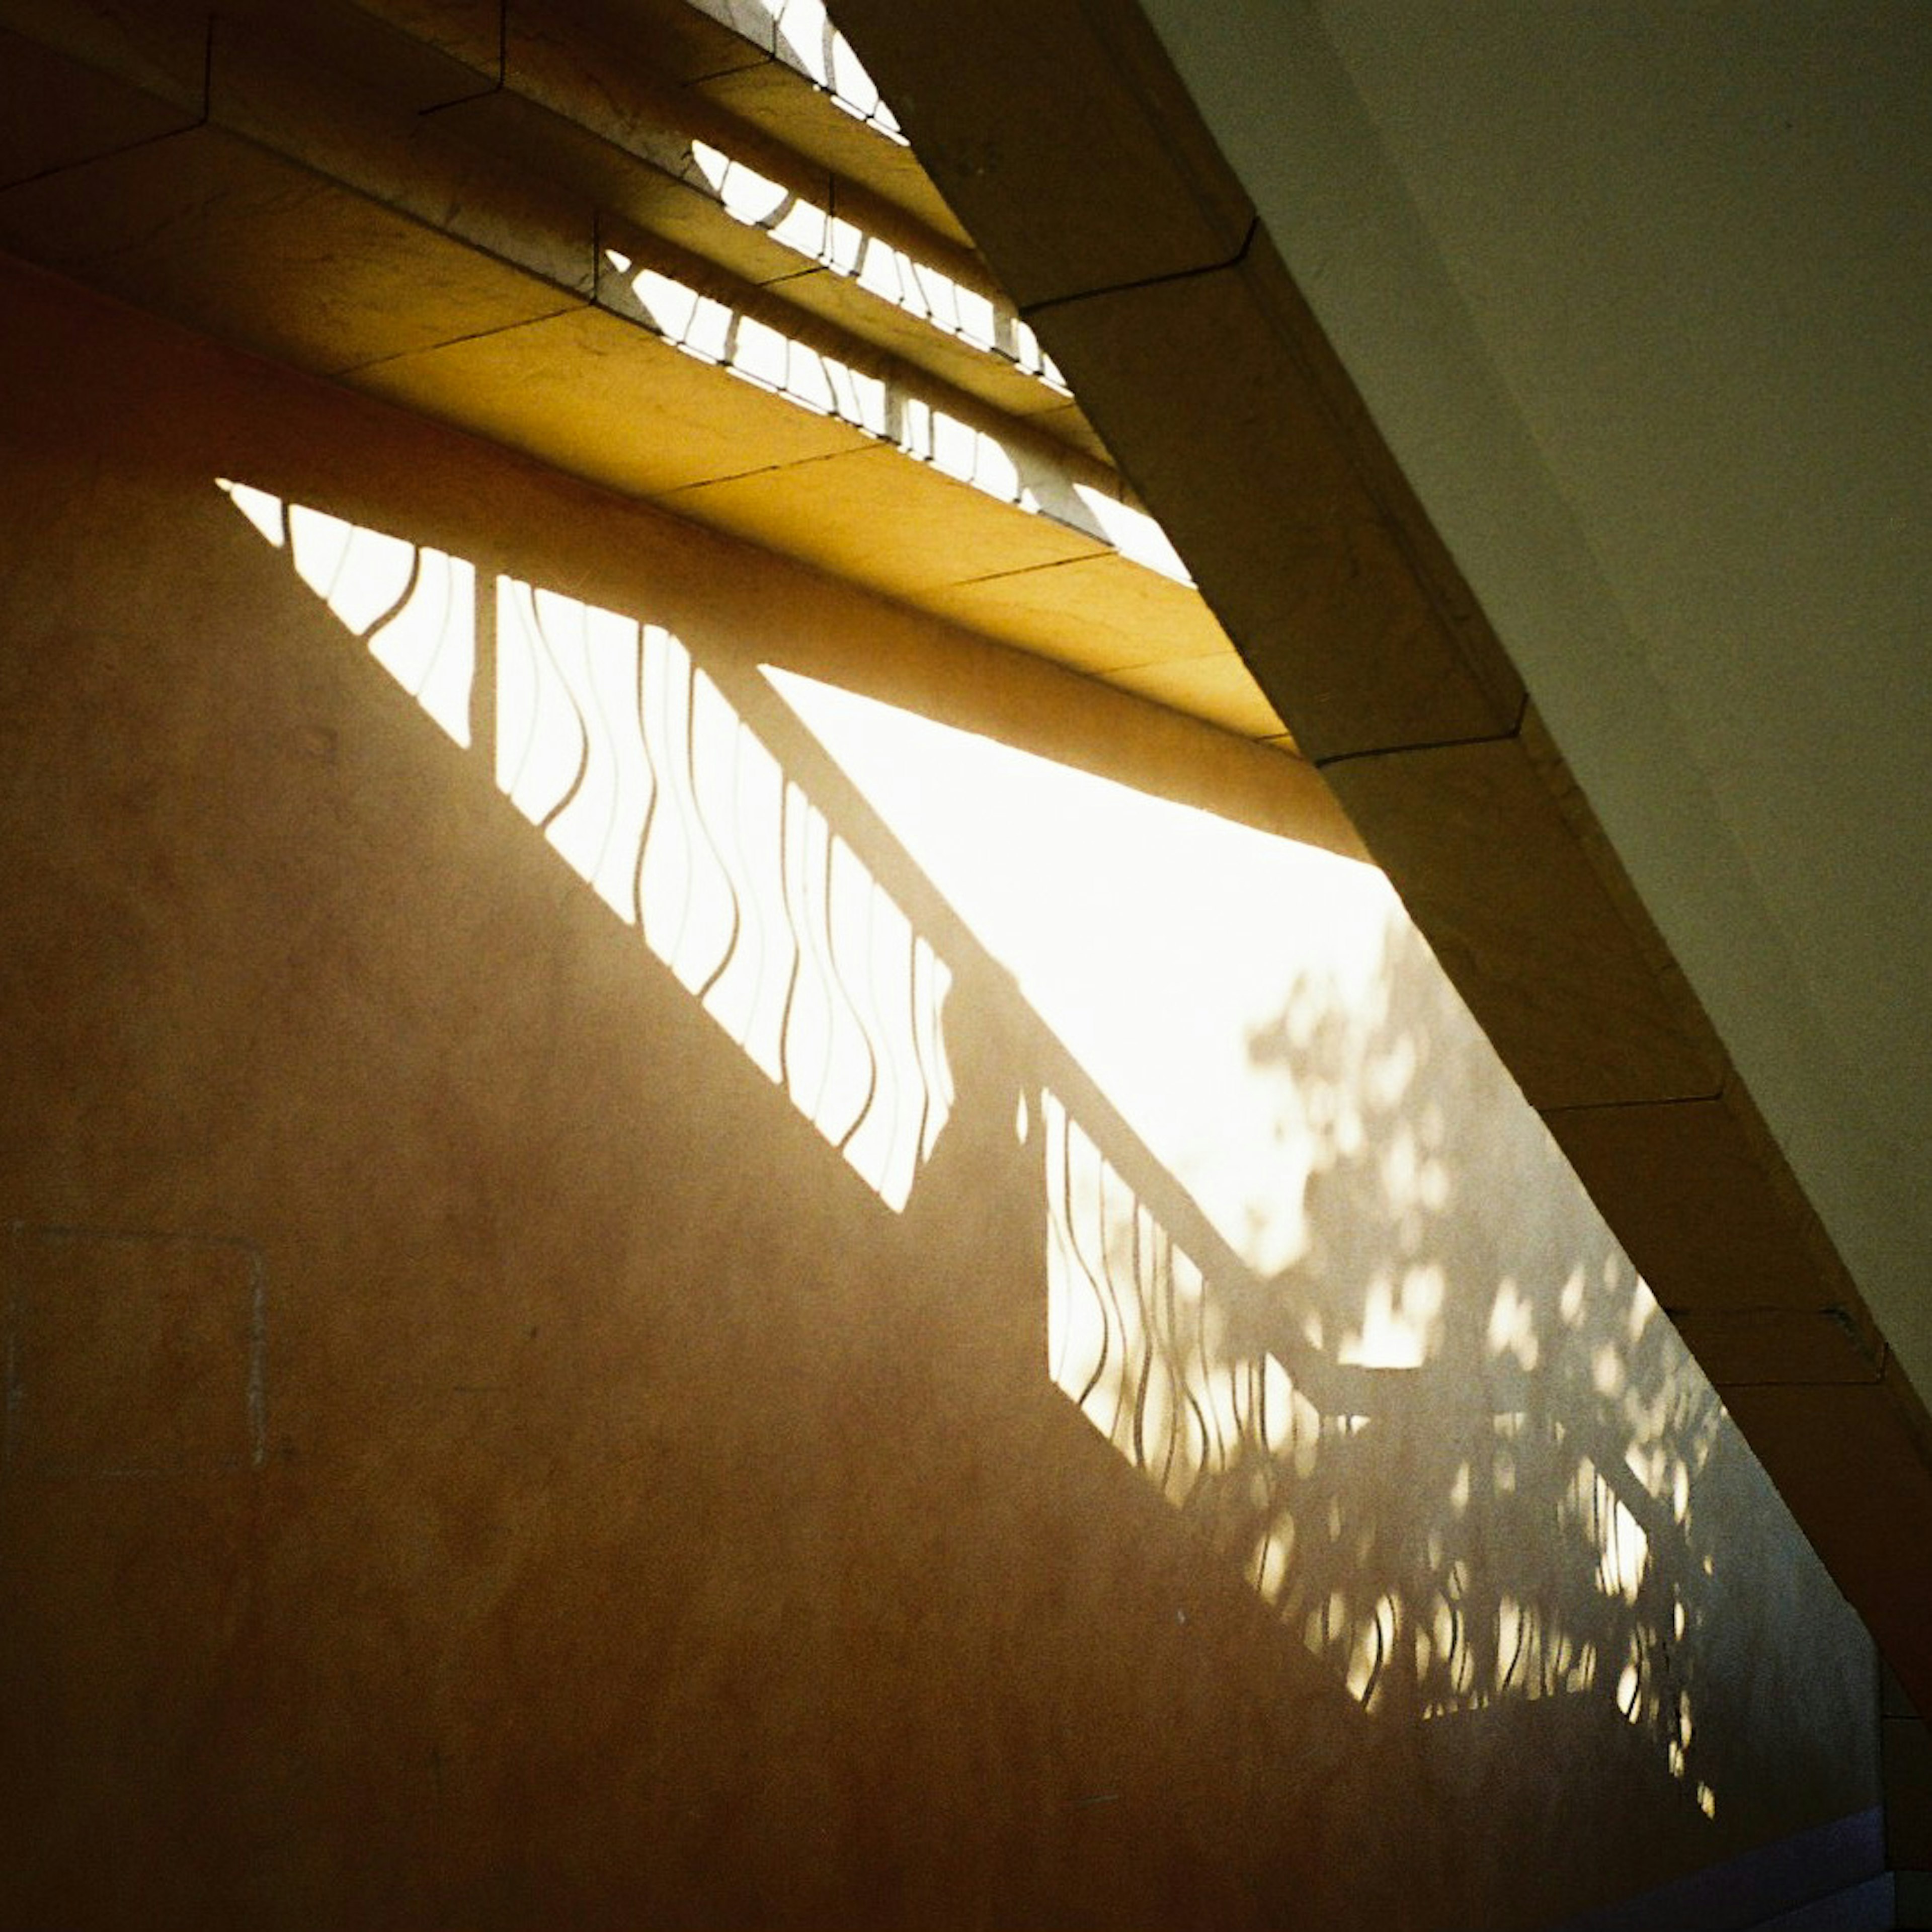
point(476, 1456)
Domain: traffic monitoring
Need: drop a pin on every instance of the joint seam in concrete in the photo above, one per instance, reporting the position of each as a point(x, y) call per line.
point(1233, 261)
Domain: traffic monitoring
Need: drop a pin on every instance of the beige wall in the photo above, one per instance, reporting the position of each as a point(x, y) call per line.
point(477, 1454)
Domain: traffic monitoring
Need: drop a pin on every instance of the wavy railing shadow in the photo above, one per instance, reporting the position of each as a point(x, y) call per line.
point(975, 314)
point(1452, 1446)
point(627, 757)
point(783, 354)
point(800, 34)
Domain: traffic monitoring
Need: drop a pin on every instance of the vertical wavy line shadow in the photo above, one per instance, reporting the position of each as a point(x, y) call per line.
point(648, 776)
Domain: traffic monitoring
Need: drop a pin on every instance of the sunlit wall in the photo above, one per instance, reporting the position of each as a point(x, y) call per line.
point(1311, 1266)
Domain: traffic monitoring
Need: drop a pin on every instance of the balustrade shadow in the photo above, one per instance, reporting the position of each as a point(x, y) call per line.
point(1502, 1516)
point(663, 770)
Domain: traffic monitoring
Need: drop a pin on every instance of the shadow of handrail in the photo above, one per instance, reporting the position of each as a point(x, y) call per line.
point(1243, 1440)
point(1440, 1538)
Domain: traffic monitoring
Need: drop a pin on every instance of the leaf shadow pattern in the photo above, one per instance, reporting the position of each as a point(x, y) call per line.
point(1454, 1443)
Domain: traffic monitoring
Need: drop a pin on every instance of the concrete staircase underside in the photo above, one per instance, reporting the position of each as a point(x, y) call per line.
point(659, 251)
